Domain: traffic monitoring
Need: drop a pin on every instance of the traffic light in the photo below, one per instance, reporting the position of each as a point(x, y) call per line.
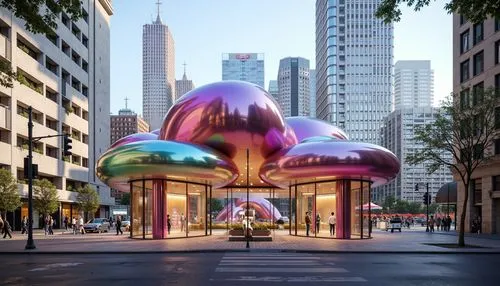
point(426, 198)
point(67, 145)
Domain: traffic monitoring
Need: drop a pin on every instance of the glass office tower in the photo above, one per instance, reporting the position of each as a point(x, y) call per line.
point(243, 66)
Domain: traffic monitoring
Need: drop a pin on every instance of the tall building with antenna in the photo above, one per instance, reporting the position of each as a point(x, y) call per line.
point(158, 71)
point(183, 85)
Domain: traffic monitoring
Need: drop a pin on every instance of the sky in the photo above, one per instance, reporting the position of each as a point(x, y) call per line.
point(204, 29)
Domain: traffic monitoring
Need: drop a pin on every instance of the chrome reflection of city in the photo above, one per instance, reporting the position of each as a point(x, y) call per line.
point(201, 151)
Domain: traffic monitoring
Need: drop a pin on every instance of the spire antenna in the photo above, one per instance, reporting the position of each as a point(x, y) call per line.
point(126, 102)
point(184, 64)
point(158, 3)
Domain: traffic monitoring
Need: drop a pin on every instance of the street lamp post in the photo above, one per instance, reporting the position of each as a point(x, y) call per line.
point(427, 204)
point(30, 244)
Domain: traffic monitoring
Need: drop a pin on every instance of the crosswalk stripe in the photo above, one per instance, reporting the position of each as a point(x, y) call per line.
point(282, 270)
point(273, 258)
point(263, 263)
point(293, 279)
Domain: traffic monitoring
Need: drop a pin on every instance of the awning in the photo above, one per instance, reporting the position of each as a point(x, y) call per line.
point(447, 194)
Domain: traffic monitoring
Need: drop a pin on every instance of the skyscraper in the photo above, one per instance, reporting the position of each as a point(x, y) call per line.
point(125, 123)
point(65, 79)
point(158, 71)
point(413, 84)
point(184, 85)
point(476, 66)
point(293, 86)
point(273, 90)
point(243, 66)
point(312, 93)
point(354, 57)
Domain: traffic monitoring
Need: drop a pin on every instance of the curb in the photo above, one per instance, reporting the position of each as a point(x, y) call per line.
point(496, 252)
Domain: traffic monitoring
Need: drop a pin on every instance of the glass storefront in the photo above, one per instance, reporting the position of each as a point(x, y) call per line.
point(175, 209)
point(168, 209)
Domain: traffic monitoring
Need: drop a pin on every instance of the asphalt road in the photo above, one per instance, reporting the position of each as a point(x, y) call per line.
point(261, 268)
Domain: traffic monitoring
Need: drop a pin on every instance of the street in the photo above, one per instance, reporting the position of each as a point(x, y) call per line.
point(252, 268)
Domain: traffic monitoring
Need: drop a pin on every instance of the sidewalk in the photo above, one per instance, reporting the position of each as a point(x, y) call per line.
point(382, 242)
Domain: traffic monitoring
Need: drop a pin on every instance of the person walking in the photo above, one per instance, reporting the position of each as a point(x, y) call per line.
point(51, 225)
point(431, 224)
point(308, 223)
point(1, 224)
point(183, 221)
point(46, 222)
point(24, 225)
point(332, 221)
point(438, 223)
point(6, 229)
point(80, 225)
point(318, 221)
point(169, 223)
point(119, 225)
point(73, 225)
point(66, 222)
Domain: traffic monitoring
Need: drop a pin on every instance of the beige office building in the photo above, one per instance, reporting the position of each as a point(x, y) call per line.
point(125, 123)
point(65, 79)
point(476, 65)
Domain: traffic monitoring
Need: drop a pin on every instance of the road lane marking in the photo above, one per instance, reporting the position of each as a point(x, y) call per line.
point(293, 279)
point(282, 270)
point(56, 265)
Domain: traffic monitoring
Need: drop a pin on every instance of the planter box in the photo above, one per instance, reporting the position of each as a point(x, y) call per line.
point(257, 232)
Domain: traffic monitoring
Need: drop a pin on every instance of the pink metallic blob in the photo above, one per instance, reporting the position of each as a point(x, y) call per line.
point(159, 203)
point(263, 208)
point(229, 116)
point(305, 127)
point(329, 160)
point(134, 138)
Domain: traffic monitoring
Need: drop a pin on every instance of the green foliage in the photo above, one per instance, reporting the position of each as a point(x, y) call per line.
point(125, 200)
point(388, 204)
point(464, 128)
point(45, 197)
point(88, 199)
point(40, 16)
point(9, 193)
point(216, 205)
point(474, 10)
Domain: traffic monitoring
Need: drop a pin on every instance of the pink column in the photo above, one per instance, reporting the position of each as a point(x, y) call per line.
point(159, 215)
point(343, 198)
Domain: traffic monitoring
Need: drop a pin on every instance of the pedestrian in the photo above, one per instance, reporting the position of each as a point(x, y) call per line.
point(1, 224)
point(24, 225)
point(66, 222)
point(448, 223)
point(318, 221)
point(119, 225)
point(80, 225)
point(73, 225)
point(431, 224)
point(169, 223)
point(6, 229)
point(332, 220)
point(308, 223)
point(183, 220)
point(51, 225)
point(46, 222)
point(438, 223)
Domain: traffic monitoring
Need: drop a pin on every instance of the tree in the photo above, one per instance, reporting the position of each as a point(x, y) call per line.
point(216, 205)
point(45, 197)
point(474, 10)
point(388, 204)
point(88, 199)
point(125, 200)
point(465, 128)
point(9, 193)
point(40, 17)
point(414, 208)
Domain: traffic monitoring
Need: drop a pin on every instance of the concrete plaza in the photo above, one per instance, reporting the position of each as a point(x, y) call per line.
point(408, 241)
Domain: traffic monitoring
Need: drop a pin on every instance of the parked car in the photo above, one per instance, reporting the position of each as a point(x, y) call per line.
point(395, 223)
point(97, 225)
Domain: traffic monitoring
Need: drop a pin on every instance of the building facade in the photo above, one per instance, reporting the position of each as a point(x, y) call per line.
point(476, 64)
point(65, 78)
point(312, 93)
point(273, 90)
point(413, 84)
point(354, 58)
point(293, 86)
point(158, 72)
point(243, 66)
point(183, 86)
point(397, 135)
point(125, 123)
